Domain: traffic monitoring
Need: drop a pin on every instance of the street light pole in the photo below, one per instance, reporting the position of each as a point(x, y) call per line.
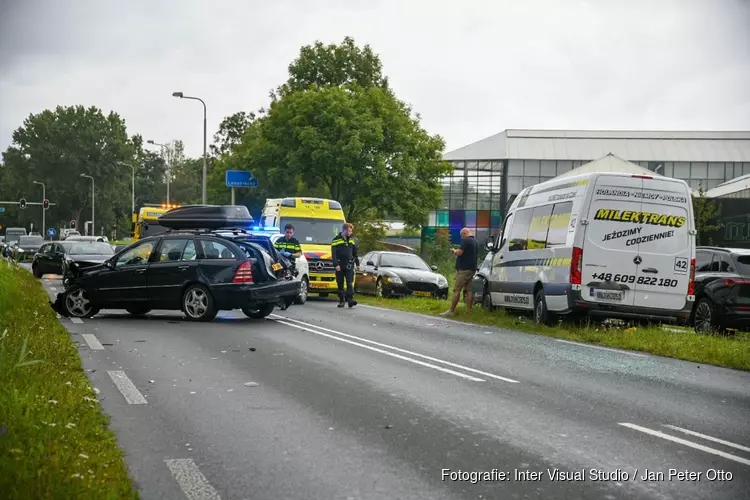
point(44, 214)
point(205, 156)
point(168, 160)
point(93, 224)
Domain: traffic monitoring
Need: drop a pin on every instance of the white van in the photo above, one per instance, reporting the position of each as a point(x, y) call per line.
point(616, 245)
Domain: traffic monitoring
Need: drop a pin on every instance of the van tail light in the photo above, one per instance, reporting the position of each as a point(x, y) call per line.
point(691, 283)
point(576, 266)
point(244, 273)
point(729, 282)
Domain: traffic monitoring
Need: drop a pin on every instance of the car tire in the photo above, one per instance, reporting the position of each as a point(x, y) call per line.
point(259, 313)
point(35, 271)
point(487, 298)
point(198, 304)
point(138, 311)
point(77, 304)
point(705, 318)
point(303, 291)
point(542, 316)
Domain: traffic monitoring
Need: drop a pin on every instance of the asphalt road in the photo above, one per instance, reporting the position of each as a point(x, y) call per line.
point(325, 403)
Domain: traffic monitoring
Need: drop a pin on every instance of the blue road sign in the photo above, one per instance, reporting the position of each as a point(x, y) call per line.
point(240, 179)
point(2, 209)
point(51, 232)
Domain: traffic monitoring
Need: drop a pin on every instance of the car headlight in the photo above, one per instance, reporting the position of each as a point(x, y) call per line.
point(442, 281)
point(394, 279)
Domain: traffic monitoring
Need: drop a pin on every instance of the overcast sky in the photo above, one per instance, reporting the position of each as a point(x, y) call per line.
point(471, 68)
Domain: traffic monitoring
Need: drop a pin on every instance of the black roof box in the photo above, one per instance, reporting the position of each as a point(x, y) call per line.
point(207, 217)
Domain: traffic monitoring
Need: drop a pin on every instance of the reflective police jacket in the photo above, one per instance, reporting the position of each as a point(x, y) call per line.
point(343, 251)
point(289, 245)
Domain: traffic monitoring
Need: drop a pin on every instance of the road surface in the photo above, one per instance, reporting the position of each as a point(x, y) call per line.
point(324, 403)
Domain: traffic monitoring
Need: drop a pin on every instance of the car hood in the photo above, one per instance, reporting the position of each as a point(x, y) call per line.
point(411, 274)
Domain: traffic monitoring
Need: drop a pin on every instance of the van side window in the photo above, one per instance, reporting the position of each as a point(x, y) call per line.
point(558, 224)
point(504, 231)
point(537, 237)
point(520, 230)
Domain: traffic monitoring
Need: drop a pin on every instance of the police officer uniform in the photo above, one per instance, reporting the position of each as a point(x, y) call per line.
point(290, 245)
point(344, 254)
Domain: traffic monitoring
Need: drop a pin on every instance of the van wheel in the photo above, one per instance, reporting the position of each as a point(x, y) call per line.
point(197, 304)
point(487, 298)
point(303, 287)
point(705, 320)
point(259, 313)
point(541, 315)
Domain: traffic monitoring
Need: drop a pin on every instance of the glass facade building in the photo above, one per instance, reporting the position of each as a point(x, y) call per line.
point(490, 173)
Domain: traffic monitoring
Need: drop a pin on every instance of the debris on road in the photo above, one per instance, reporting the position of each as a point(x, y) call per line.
point(251, 349)
point(251, 384)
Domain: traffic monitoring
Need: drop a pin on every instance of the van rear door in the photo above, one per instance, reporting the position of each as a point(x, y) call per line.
point(665, 245)
point(608, 271)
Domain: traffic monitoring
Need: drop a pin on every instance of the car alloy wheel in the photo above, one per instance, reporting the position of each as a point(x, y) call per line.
point(303, 287)
point(703, 320)
point(196, 303)
point(77, 304)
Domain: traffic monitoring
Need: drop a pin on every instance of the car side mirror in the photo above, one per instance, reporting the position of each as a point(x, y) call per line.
point(110, 263)
point(434, 268)
point(490, 243)
point(370, 263)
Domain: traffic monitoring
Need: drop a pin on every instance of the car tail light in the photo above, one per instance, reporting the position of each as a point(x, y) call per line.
point(244, 273)
point(576, 266)
point(732, 282)
point(691, 283)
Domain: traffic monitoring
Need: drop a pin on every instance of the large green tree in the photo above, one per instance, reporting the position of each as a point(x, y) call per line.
point(56, 147)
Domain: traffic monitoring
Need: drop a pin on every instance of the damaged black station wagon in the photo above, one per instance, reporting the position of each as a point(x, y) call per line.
point(206, 262)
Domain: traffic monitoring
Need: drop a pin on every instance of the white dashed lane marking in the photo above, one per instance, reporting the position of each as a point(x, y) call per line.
point(128, 390)
point(92, 341)
point(76, 320)
point(192, 482)
point(708, 438)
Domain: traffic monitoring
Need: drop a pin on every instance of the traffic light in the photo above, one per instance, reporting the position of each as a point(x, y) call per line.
point(72, 224)
point(22, 203)
point(45, 204)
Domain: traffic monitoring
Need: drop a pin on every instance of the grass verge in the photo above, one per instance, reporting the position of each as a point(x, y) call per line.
point(727, 351)
point(54, 439)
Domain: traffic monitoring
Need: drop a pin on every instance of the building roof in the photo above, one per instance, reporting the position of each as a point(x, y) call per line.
point(608, 163)
point(730, 187)
point(587, 145)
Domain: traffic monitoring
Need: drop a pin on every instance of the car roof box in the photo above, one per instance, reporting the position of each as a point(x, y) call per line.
point(207, 217)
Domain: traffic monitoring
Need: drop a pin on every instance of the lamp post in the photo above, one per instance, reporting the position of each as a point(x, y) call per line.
point(93, 226)
point(169, 162)
point(183, 96)
point(132, 197)
point(44, 215)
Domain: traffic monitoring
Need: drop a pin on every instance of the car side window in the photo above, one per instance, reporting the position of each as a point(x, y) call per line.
point(45, 248)
point(726, 264)
point(367, 258)
point(702, 262)
point(171, 250)
point(138, 255)
point(216, 250)
point(189, 252)
point(714, 268)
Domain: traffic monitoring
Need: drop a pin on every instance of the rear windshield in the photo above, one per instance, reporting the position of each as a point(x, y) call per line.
point(88, 248)
point(13, 235)
point(743, 264)
point(31, 240)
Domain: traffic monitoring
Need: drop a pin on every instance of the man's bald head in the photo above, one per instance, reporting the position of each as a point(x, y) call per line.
point(465, 232)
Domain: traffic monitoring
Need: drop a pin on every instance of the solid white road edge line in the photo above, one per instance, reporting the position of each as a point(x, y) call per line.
point(76, 320)
point(708, 438)
point(602, 348)
point(128, 390)
point(192, 482)
point(92, 341)
point(686, 443)
point(415, 361)
point(411, 353)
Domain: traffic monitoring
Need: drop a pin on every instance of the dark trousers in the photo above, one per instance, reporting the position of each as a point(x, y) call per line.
point(348, 276)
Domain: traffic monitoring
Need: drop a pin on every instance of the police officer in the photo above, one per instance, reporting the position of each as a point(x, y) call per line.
point(289, 247)
point(344, 254)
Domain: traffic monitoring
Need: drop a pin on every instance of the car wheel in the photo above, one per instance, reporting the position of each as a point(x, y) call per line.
point(303, 287)
point(258, 313)
point(35, 270)
point(541, 315)
point(704, 320)
point(197, 304)
point(78, 305)
point(379, 289)
point(138, 311)
point(487, 298)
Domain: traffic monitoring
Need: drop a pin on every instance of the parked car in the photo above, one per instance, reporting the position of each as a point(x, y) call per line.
point(27, 246)
point(59, 257)
point(396, 274)
point(194, 267)
point(722, 289)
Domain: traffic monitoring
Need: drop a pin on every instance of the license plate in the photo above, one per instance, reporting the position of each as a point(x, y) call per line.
point(318, 285)
point(277, 267)
point(423, 294)
point(609, 295)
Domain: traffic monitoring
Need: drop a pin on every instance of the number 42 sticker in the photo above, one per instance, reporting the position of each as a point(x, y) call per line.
point(681, 265)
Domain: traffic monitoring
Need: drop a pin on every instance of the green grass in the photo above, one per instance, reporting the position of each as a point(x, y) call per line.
point(54, 439)
point(727, 351)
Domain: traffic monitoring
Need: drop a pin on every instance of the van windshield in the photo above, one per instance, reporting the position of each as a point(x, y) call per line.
point(313, 231)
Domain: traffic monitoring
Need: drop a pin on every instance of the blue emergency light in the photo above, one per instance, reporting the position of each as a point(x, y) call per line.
point(266, 229)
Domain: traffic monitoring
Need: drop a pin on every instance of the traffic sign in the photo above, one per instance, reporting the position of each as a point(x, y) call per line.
point(240, 179)
point(45, 204)
point(73, 224)
point(51, 232)
point(22, 203)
